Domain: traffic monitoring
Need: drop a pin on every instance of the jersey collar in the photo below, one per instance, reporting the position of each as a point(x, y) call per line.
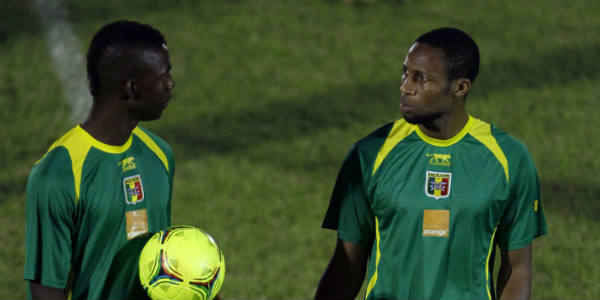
point(102, 146)
point(445, 143)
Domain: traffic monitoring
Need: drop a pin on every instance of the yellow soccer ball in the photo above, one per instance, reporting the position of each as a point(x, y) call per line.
point(182, 262)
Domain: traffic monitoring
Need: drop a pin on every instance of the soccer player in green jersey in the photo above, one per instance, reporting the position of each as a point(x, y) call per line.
point(107, 182)
point(421, 204)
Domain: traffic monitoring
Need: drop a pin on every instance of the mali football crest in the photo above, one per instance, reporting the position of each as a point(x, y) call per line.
point(437, 184)
point(134, 190)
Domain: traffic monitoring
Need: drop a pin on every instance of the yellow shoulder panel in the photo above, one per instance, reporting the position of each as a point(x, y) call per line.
point(400, 130)
point(482, 131)
point(152, 145)
point(77, 152)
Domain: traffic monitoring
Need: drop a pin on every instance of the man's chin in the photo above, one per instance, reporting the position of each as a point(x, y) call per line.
point(410, 119)
point(151, 117)
point(421, 119)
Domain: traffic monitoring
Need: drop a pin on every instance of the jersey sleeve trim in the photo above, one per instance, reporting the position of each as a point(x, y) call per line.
point(522, 243)
point(49, 282)
point(399, 131)
point(482, 132)
point(349, 237)
point(152, 145)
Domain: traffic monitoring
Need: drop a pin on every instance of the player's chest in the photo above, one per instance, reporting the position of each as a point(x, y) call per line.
point(447, 179)
point(124, 187)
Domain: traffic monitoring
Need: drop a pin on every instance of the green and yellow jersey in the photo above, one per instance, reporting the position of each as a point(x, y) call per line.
point(431, 211)
point(89, 206)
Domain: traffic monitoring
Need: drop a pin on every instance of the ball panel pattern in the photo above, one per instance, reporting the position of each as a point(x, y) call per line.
point(182, 262)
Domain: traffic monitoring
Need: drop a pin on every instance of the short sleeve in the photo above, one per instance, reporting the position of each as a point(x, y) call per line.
point(523, 219)
point(349, 210)
point(50, 220)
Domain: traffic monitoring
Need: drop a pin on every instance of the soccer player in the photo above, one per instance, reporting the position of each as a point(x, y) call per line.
point(424, 201)
point(106, 181)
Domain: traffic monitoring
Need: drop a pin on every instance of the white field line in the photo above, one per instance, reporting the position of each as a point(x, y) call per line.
point(68, 60)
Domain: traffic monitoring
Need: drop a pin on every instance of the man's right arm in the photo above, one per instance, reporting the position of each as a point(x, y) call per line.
point(49, 225)
point(39, 291)
point(345, 273)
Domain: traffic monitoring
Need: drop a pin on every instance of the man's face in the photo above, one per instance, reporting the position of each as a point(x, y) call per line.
point(425, 88)
point(153, 84)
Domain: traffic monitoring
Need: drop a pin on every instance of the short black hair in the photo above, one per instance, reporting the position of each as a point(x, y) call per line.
point(462, 53)
point(112, 46)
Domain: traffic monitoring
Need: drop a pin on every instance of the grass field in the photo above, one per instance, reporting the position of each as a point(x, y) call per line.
point(271, 94)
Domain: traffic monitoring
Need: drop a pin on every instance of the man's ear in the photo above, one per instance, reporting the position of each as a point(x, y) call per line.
point(130, 89)
point(461, 87)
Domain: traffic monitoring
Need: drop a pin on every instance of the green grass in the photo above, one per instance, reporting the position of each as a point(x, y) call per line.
point(270, 95)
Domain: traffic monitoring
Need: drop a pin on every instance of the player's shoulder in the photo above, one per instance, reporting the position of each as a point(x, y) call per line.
point(148, 136)
point(56, 166)
point(371, 143)
point(56, 162)
point(511, 145)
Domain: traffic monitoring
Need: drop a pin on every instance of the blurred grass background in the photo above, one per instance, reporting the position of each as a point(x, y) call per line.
point(270, 95)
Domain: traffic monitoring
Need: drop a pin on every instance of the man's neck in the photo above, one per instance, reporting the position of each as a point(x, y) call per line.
point(110, 125)
point(446, 126)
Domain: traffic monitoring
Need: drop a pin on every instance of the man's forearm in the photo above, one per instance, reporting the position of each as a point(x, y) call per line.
point(39, 291)
point(517, 285)
point(344, 274)
point(337, 283)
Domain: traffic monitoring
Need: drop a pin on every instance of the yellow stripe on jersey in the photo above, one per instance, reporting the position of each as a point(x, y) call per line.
point(78, 142)
point(482, 131)
point(377, 257)
point(400, 130)
point(77, 152)
point(487, 265)
point(152, 145)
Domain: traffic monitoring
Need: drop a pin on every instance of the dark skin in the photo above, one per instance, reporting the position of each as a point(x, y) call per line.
point(345, 273)
point(514, 276)
point(428, 98)
point(118, 108)
point(437, 105)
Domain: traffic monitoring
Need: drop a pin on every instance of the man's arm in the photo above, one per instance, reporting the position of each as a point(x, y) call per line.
point(345, 273)
point(514, 276)
point(39, 291)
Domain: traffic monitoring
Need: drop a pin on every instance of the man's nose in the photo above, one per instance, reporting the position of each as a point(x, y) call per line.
point(407, 87)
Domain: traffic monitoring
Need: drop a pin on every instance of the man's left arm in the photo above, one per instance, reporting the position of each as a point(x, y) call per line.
point(522, 221)
point(514, 276)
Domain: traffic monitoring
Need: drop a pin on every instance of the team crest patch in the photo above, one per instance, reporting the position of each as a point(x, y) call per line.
point(134, 190)
point(437, 184)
